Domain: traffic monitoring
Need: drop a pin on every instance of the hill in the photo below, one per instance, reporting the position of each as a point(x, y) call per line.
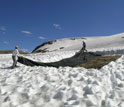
point(93, 43)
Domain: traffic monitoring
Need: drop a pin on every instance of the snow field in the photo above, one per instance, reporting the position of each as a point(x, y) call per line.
point(75, 43)
point(27, 86)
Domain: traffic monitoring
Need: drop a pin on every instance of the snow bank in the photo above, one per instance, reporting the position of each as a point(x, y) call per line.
point(51, 56)
point(108, 51)
point(60, 87)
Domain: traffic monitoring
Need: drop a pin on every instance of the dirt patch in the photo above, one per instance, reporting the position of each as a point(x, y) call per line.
point(99, 61)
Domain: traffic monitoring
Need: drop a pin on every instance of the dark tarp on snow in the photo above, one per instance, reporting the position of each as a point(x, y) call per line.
point(79, 58)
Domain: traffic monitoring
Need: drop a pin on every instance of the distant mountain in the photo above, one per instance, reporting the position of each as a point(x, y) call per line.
point(68, 44)
point(10, 52)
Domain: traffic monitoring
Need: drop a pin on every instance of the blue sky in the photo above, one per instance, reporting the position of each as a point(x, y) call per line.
point(28, 23)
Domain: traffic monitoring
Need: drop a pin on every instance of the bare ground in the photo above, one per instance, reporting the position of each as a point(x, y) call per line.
point(99, 61)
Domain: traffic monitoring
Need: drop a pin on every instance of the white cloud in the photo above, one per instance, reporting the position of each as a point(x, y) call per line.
point(41, 37)
point(25, 50)
point(4, 32)
point(57, 26)
point(5, 42)
point(3, 28)
point(26, 32)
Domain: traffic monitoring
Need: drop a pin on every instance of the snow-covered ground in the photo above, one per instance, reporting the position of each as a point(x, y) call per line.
point(27, 86)
point(69, 44)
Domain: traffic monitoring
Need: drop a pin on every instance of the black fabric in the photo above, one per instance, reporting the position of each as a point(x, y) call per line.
point(79, 58)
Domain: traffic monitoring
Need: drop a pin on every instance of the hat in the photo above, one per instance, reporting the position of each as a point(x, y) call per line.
point(16, 47)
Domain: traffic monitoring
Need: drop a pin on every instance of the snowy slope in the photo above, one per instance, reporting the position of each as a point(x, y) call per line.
point(60, 87)
point(27, 86)
point(97, 43)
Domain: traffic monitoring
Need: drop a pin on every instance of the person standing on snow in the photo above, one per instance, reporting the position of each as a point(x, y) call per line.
point(84, 46)
point(84, 49)
point(15, 55)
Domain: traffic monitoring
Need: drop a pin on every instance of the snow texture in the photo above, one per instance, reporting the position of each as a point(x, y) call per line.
point(27, 86)
point(38, 86)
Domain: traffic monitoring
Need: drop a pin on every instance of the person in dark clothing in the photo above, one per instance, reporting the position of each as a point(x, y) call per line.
point(84, 46)
point(83, 50)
